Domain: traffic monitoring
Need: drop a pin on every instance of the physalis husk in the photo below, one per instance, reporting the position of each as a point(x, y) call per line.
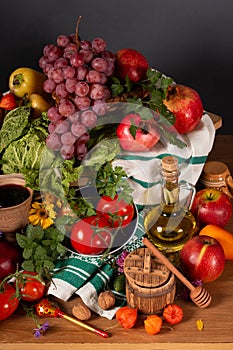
point(200, 325)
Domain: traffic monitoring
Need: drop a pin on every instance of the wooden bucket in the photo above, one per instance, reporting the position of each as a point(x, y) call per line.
point(150, 286)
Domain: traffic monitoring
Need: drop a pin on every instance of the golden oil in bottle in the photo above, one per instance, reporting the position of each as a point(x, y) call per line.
point(170, 224)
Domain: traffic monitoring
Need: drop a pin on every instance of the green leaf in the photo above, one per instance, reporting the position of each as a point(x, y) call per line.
point(61, 249)
point(153, 76)
point(28, 253)
point(90, 211)
point(133, 130)
point(46, 242)
point(22, 240)
point(35, 233)
point(40, 253)
point(14, 125)
point(28, 265)
point(105, 151)
point(165, 82)
point(135, 101)
point(116, 87)
point(53, 246)
point(23, 155)
point(70, 173)
point(110, 181)
point(128, 84)
point(145, 113)
point(48, 265)
point(55, 234)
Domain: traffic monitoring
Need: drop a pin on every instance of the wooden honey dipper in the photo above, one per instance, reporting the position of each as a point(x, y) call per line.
point(198, 294)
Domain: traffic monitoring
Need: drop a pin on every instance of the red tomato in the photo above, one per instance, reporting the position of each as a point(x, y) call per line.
point(8, 302)
point(89, 236)
point(31, 289)
point(173, 314)
point(117, 212)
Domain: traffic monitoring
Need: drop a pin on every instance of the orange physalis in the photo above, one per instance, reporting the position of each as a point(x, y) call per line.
point(153, 324)
point(173, 314)
point(127, 316)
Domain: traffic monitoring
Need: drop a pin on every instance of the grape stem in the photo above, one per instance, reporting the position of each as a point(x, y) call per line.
point(77, 28)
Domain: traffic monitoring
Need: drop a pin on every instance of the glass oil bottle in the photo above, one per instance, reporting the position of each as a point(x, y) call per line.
point(170, 223)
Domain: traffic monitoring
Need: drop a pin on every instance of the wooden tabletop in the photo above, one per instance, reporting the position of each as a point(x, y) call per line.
point(16, 332)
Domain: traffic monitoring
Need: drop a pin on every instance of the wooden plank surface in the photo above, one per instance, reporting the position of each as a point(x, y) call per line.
point(217, 120)
point(16, 332)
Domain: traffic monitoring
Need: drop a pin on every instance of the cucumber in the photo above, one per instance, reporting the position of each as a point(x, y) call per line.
point(119, 283)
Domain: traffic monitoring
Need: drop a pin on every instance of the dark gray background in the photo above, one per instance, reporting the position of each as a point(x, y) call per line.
point(191, 41)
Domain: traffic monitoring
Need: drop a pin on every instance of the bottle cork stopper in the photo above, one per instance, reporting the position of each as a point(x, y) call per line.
point(170, 163)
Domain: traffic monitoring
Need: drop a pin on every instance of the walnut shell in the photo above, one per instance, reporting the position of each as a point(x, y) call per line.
point(106, 300)
point(81, 311)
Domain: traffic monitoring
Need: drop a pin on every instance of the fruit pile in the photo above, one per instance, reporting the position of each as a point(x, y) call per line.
point(203, 256)
point(79, 79)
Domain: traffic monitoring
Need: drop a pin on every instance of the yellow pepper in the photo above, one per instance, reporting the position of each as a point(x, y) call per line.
point(24, 82)
point(39, 105)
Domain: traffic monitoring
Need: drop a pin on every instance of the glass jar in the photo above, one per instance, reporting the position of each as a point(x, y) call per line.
point(169, 224)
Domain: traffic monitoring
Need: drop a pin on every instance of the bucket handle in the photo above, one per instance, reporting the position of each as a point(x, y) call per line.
point(147, 263)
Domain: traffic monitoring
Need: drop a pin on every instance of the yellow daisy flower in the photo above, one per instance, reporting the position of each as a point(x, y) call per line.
point(39, 215)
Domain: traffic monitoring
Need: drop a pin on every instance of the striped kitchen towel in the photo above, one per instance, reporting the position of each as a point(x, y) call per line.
point(143, 169)
point(88, 276)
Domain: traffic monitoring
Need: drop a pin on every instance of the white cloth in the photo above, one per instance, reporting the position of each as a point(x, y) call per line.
point(143, 168)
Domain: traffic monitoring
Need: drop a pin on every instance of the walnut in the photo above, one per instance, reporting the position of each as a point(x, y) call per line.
point(81, 311)
point(106, 300)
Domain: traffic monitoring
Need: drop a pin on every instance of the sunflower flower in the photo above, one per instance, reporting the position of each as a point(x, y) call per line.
point(42, 214)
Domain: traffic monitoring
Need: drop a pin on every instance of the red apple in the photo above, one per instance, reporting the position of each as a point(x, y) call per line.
point(10, 256)
point(202, 258)
point(211, 206)
point(186, 105)
point(132, 63)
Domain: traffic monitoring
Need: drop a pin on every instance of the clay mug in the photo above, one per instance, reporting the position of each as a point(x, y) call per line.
point(17, 200)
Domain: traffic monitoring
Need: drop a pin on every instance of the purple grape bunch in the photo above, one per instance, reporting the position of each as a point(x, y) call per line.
point(77, 73)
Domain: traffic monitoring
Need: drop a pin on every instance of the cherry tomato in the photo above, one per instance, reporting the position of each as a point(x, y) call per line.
point(173, 314)
point(91, 235)
point(117, 212)
point(8, 302)
point(31, 289)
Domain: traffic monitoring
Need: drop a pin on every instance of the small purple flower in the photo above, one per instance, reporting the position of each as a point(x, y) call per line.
point(197, 283)
point(184, 295)
point(120, 260)
point(41, 330)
